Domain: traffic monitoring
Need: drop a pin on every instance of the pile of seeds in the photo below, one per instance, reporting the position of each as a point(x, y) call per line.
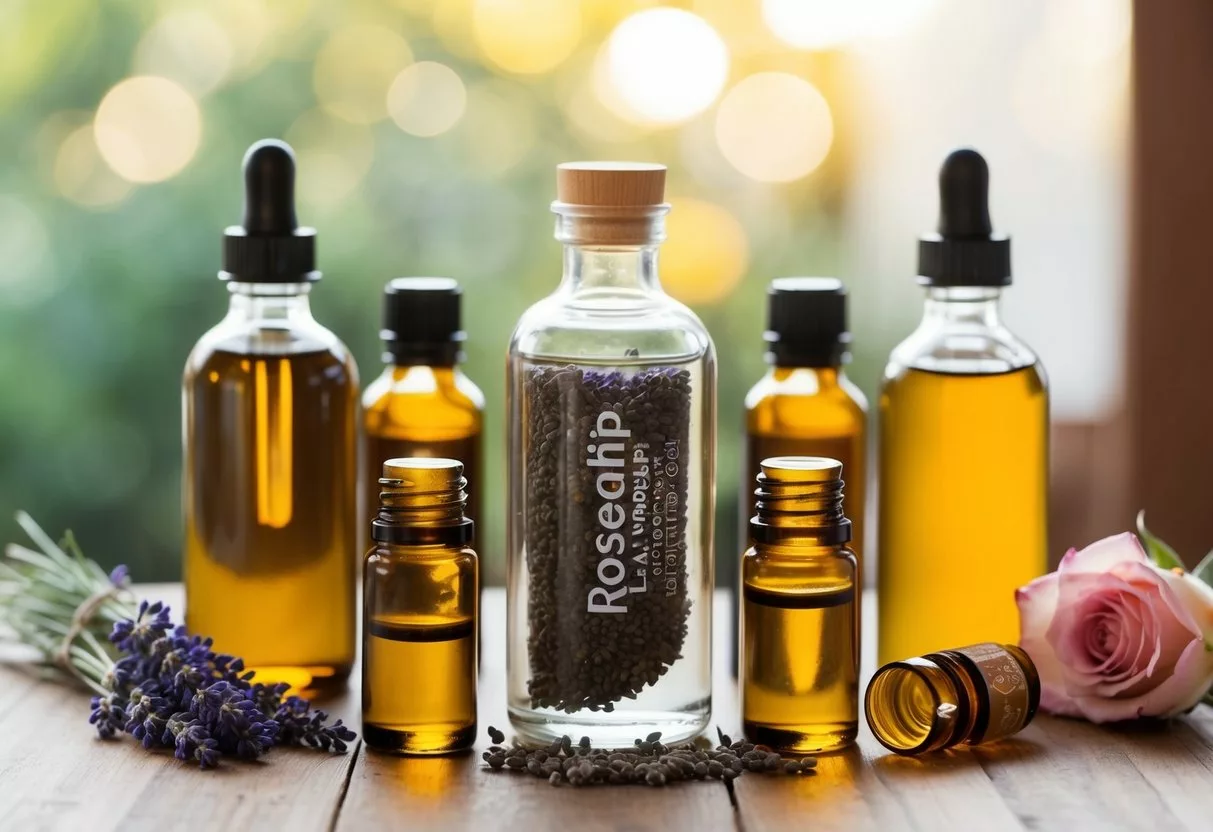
point(650, 763)
point(581, 659)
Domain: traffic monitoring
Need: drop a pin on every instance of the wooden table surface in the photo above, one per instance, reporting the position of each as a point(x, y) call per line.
point(1057, 774)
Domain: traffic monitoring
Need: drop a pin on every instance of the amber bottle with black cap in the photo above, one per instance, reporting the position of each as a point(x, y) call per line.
point(422, 405)
point(270, 470)
point(420, 608)
point(964, 443)
point(805, 405)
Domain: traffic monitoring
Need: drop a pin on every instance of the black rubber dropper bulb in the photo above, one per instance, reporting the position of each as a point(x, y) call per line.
point(965, 251)
point(269, 246)
point(269, 189)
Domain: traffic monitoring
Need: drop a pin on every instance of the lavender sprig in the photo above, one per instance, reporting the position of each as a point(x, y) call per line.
point(152, 679)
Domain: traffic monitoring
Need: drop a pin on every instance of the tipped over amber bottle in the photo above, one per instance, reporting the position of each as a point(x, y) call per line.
point(270, 401)
point(420, 610)
point(971, 695)
point(799, 653)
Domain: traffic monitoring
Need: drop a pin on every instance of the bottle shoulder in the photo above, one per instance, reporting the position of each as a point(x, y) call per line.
point(961, 350)
point(402, 399)
point(650, 326)
point(256, 340)
point(800, 402)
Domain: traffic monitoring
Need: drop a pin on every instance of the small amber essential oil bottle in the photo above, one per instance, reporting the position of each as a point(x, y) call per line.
point(964, 443)
point(420, 597)
point(972, 695)
point(269, 491)
point(422, 405)
point(799, 651)
point(805, 405)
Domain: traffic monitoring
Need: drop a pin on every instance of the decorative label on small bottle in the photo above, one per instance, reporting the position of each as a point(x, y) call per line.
point(1006, 687)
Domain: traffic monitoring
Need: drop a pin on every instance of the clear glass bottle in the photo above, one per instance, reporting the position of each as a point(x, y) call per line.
point(964, 451)
point(805, 405)
point(612, 408)
point(799, 662)
point(422, 405)
point(970, 695)
point(420, 612)
point(270, 403)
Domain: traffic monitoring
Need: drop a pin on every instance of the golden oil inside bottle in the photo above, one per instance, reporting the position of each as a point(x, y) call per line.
point(270, 481)
point(799, 662)
point(420, 613)
point(964, 471)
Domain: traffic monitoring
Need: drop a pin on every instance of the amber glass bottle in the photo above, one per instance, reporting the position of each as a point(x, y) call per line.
point(422, 405)
point(970, 695)
point(420, 589)
point(270, 466)
point(964, 444)
point(805, 405)
point(799, 658)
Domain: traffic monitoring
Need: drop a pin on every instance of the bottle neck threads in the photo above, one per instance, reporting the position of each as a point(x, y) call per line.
point(421, 501)
point(799, 498)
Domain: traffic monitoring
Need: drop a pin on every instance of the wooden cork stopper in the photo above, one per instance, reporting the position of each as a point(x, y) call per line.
point(611, 184)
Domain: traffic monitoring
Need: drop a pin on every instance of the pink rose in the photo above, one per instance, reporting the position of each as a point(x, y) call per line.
point(1114, 637)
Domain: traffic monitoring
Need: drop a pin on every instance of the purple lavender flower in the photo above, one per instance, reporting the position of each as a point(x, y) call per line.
point(170, 689)
point(109, 717)
point(137, 636)
point(120, 575)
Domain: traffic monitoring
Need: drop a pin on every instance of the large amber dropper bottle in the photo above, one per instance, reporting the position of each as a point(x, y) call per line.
point(270, 475)
point(964, 453)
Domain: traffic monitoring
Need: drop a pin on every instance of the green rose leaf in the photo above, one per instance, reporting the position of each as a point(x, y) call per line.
point(1164, 556)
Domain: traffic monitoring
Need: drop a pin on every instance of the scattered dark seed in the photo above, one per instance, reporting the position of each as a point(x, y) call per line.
point(496, 736)
point(791, 767)
point(555, 779)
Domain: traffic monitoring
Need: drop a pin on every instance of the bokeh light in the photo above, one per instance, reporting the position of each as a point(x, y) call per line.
point(825, 24)
point(666, 65)
point(147, 128)
point(774, 127)
point(427, 99)
point(332, 156)
point(705, 254)
point(188, 47)
point(499, 127)
point(81, 175)
point(354, 69)
point(526, 37)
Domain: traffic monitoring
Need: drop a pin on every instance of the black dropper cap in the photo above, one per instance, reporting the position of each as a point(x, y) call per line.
point(421, 322)
point(807, 322)
point(269, 246)
point(965, 252)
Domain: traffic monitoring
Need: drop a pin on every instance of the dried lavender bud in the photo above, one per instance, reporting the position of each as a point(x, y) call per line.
point(563, 405)
point(498, 737)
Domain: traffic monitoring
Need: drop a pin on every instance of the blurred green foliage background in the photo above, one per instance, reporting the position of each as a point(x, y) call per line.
point(113, 199)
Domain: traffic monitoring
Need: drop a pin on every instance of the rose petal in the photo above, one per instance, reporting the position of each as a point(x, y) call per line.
point(1037, 604)
point(1183, 689)
point(1102, 555)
